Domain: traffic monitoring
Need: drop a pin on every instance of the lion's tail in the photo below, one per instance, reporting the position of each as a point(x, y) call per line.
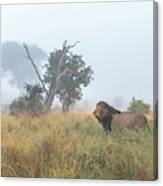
point(147, 125)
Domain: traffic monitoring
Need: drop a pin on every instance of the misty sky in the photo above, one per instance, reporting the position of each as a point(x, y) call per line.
point(116, 40)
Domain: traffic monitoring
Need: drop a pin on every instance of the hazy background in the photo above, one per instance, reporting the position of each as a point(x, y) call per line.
point(116, 40)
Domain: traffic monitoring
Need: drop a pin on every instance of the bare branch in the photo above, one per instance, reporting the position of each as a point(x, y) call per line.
point(64, 43)
point(62, 74)
point(70, 46)
point(73, 45)
point(64, 51)
point(34, 66)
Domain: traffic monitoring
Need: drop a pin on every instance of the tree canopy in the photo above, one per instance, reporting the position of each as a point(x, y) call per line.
point(70, 87)
point(31, 102)
point(138, 106)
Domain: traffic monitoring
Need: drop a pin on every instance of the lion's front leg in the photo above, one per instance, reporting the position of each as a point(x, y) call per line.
point(107, 128)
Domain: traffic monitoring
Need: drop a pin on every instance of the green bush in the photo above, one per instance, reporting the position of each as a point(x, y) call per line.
point(138, 106)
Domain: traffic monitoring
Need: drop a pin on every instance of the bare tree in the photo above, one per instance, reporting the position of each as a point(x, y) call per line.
point(60, 73)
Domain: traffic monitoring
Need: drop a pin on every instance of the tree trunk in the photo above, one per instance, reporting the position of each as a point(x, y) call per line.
point(51, 95)
point(54, 87)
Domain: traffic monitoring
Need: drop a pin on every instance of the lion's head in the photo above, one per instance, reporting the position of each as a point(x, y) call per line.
point(103, 111)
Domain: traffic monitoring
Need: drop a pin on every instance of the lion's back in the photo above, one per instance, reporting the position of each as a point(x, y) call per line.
point(130, 120)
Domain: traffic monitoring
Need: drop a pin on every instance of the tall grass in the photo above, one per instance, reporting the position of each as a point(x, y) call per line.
point(73, 145)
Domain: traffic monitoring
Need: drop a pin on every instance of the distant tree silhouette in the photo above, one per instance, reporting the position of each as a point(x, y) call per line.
point(14, 59)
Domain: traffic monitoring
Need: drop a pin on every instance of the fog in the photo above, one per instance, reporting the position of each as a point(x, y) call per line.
point(116, 40)
point(9, 89)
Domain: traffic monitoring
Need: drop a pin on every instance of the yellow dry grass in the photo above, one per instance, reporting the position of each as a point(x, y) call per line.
point(73, 145)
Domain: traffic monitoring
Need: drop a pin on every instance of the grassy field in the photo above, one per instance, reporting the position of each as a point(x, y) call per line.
point(73, 146)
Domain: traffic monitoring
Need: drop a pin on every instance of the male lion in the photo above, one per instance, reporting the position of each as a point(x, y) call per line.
point(109, 116)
